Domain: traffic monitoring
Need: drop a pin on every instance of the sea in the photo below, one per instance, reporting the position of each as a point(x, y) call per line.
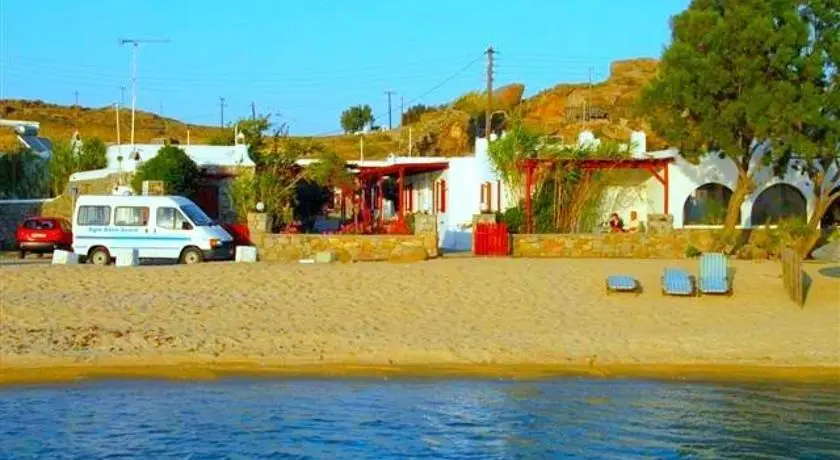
point(447, 419)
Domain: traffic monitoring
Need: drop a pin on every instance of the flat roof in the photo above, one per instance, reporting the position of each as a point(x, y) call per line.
point(407, 169)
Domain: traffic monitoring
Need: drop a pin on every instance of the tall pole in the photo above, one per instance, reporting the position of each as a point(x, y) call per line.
point(589, 96)
point(488, 116)
point(135, 43)
point(122, 95)
point(76, 110)
point(390, 124)
point(119, 145)
point(133, 91)
point(222, 107)
point(253, 111)
point(402, 109)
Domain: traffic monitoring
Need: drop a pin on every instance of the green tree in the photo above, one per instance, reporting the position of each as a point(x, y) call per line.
point(809, 110)
point(717, 81)
point(93, 155)
point(356, 118)
point(174, 167)
point(63, 163)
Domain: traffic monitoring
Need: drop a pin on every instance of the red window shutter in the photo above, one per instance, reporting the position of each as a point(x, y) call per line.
point(442, 194)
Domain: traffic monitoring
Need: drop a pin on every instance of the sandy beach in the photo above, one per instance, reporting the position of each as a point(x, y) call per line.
point(505, 317)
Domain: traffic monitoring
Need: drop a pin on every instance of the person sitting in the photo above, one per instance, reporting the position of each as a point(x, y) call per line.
point(633, 225)
point(616, 224)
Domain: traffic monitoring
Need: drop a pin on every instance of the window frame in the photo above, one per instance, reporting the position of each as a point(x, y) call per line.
point(105, 206)
point(120, 224)
point(178, 210)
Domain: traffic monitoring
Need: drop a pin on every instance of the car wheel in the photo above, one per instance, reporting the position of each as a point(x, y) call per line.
point(100, 256)
point(22, 254)
point(192, 256)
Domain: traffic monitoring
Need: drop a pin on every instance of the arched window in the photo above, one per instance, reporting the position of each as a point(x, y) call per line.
point(707, 205)
point(777, 202)
point(832, 214)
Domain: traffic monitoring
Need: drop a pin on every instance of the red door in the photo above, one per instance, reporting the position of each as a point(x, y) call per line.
point(208, 199)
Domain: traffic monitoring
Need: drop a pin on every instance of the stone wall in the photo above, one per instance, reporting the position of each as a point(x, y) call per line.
point(12, 213)
point(348, 248)
point(672, 245)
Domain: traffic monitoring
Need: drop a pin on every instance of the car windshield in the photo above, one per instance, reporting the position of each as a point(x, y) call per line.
point(196, 215)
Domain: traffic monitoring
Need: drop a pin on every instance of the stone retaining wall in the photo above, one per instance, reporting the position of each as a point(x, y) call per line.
point(672, 245)
point(348, 248)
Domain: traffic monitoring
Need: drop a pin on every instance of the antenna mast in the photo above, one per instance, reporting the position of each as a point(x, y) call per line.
point(135, 43)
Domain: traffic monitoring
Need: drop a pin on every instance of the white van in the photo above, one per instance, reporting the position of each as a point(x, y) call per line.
point(159, 227)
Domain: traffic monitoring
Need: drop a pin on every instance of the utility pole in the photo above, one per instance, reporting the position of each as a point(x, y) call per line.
point(390, 125)
point(402, 109)
point(135, 43)
point(76, 109)
point(222, 107)
point(122, 95)
point(253, 111)
point(588, 109)
point(488, 116)
point(163, 119)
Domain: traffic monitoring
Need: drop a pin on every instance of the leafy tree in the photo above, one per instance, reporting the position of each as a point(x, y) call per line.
point(93, 155)
point(356, 118)
point(174, 167)
point(22, 175)
point(412, 115)
point(809, 108)
point(62, 164)
point(717, 80)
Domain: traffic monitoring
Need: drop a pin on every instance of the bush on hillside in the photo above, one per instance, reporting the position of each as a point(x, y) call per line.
point(93, 155)
point(174, 167)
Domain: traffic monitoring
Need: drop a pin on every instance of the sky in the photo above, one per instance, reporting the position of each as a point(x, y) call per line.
point(303, 62)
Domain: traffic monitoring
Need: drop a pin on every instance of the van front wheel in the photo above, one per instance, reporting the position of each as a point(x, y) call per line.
point(192, 256)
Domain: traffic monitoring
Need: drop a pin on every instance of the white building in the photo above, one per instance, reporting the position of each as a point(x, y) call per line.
point(695, 196)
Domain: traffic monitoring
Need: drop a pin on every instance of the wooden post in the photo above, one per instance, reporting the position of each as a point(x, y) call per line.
point(529, 171)
point(401, 193)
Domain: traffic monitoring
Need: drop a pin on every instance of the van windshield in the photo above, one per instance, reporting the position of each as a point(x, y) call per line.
point(196, 215)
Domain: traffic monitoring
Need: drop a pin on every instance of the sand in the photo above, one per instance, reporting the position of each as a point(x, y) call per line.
point(499, 317)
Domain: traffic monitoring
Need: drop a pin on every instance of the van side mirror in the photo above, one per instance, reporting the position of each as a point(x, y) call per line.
point(186, 226)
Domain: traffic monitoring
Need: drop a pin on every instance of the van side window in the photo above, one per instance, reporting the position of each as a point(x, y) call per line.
point(94, 215)
point(133, 216)
point(172, 219)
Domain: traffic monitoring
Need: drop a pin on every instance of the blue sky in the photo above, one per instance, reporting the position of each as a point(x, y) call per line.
point(308, 60)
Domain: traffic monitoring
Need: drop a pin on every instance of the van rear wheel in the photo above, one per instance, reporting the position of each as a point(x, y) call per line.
point(99, 256)
point(192, 256)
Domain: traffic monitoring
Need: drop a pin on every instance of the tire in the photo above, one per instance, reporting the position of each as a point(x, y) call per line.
point(22, 254)
point(192, 256)
point(99, 256)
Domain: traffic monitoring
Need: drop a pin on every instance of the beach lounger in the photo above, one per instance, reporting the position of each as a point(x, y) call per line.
point(676, 281)
point(714, 274)
point(622, 283)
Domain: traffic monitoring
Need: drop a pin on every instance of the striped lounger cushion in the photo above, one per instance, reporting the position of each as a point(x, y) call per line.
point(677, 282)
point(621, 283)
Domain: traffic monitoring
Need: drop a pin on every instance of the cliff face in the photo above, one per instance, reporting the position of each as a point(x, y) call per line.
point(608, 105)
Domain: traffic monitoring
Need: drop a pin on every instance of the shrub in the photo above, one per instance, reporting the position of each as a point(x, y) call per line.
point(692, 252)
point(174, 167)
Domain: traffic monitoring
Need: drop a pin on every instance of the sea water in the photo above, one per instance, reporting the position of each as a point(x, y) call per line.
point(478, 419)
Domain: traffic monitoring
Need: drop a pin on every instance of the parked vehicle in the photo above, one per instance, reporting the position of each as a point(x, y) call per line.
point(41, 235)
point(159, 227)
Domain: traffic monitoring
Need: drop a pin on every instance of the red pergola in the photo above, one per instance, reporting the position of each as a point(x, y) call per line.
point(653, 165)
point(371, 178)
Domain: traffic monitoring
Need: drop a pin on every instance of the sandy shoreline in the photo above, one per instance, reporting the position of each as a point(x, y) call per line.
point(511, 318)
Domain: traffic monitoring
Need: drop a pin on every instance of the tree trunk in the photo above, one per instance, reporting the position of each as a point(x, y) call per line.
point(821, 206)
point(729, 238)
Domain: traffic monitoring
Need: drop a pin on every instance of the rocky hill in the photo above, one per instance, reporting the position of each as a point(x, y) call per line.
point(562, 111)
point(59, 122)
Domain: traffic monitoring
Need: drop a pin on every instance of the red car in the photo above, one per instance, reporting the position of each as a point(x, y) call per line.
point(44, 234)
